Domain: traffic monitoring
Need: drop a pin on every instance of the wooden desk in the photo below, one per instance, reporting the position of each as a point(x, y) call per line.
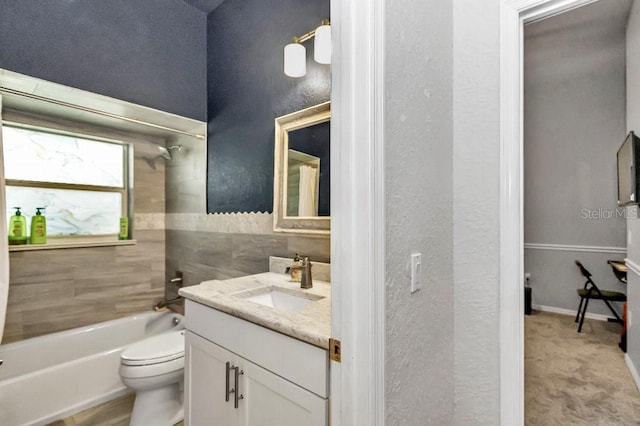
point(619, 269)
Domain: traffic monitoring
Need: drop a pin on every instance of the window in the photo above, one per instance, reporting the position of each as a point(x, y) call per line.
point(81, 181)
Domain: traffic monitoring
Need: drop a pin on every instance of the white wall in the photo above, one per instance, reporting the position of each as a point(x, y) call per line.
point(417, 118)
point(418, 186)
point(476, 210)
point(574, 122)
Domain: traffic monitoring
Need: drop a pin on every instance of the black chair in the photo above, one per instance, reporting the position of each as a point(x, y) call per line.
point(591, 291)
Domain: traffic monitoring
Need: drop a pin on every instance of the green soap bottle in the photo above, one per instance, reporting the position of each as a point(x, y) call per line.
point(124, 228)
point(39, 227)
point(17, 228)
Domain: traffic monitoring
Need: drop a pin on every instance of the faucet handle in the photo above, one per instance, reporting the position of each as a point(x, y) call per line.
point(306, 281)
point(178, 279)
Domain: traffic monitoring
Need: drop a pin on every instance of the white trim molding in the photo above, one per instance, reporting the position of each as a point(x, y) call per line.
point(632, 266)
point(632, 370)
point(570, 312)
point(575, 248)
point(511, 218)
point(357, 212)
point(513, 15)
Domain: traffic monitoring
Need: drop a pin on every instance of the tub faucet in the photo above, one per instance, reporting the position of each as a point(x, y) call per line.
point(166, 302)
point(307, 281)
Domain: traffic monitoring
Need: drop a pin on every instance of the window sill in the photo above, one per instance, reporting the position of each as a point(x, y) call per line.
point(69, 244)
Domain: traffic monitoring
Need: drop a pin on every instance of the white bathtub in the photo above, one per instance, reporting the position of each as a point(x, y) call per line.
point(48, 378)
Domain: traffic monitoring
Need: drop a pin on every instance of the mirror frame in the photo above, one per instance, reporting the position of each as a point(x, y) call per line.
point(283, 125)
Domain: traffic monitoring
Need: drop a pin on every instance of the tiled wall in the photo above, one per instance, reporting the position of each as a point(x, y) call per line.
point(217, 255)
point(219, 246)
point(203, 255)
point(54, 290)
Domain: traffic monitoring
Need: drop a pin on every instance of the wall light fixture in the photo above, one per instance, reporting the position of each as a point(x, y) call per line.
point(295, 54)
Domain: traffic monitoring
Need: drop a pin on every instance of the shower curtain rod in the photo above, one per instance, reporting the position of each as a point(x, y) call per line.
point(96, 111)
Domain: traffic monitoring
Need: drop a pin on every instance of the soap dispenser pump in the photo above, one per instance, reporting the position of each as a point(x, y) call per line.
point(17, 228)
point(39, 227)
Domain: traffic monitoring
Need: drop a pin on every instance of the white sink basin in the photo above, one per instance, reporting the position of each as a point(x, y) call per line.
point(281, 300)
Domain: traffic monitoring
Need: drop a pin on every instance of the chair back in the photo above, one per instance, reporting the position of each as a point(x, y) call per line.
point(583, 270)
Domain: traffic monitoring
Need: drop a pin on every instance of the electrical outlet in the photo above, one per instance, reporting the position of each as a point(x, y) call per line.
point(629, 322)
point(527, 275)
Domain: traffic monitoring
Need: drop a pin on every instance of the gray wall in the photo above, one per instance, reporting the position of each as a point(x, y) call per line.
point(149, 52)
point(476, 211)
point(574, 122)
point(633, 225)
point(418, 185)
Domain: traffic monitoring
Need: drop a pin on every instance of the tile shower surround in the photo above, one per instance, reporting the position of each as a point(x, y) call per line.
point(56, 290)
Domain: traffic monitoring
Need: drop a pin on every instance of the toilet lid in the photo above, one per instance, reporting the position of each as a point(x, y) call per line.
point(153, 350)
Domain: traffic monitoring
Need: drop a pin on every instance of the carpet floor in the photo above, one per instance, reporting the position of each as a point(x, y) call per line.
point(576, 378)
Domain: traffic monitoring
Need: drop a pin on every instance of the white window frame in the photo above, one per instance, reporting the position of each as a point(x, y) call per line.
point(68, 241)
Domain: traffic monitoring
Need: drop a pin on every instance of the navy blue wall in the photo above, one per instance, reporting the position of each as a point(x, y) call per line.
point(247, 90)
point(149, 52)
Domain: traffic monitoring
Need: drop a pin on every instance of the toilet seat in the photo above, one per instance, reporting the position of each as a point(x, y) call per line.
point(152, 370)
point(157, 349)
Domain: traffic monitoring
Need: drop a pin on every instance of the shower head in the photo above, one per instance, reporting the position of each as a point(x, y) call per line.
point(166, 151)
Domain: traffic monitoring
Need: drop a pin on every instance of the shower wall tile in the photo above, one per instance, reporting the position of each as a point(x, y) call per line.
point(187, 178)
point(205, 256)
point(317, 248)
point(251, 252)
point(149, 178)
point(96, 284)
point(56, 290)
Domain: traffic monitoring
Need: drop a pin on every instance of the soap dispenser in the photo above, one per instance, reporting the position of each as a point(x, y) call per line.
point(38, 227)
point(17, 228)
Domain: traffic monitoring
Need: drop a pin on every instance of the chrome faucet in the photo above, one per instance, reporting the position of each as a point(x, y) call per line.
point(166, 302)
point(306, 281)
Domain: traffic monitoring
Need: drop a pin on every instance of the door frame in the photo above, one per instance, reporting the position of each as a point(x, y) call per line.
point(357, 212)
point(514, 14)
point(358, 231)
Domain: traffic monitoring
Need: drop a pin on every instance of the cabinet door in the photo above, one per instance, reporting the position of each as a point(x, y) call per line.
point(205, 384)
point(270, 400)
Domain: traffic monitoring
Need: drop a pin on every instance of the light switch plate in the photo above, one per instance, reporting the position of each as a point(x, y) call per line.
point(416, 272)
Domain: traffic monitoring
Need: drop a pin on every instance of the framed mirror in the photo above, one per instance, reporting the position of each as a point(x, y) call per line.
point(301, 178)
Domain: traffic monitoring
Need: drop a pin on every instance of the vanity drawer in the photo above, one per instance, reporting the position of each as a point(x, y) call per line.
point(299, 362)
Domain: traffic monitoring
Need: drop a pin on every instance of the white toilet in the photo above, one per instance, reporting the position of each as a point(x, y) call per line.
point(154, 368)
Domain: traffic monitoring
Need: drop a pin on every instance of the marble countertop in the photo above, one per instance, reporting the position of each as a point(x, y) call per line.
point(311, 324)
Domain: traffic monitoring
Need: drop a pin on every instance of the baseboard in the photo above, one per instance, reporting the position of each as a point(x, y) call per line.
point(563, 311)
point(632, 370)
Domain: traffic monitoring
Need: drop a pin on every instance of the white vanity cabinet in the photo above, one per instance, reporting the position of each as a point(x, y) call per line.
point(276, 379)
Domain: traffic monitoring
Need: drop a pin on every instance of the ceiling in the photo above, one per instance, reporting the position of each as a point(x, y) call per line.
point(204, 5)
point(593, 20)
